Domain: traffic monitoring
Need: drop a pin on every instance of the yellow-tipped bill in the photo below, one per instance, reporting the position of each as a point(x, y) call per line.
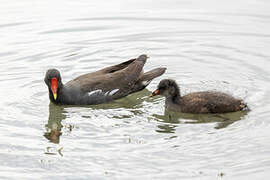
point(54, 86)
point(54, 96)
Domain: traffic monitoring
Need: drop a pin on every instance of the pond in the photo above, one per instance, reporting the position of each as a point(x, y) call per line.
point(205, 45)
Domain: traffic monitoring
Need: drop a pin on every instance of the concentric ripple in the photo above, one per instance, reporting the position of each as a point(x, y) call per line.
point(204, 45)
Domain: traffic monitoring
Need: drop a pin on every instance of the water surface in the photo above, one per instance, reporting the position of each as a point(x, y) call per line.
point(205, 45)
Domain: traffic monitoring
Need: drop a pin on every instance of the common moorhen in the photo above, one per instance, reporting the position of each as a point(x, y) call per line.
point(198, 102)
point(102, 86)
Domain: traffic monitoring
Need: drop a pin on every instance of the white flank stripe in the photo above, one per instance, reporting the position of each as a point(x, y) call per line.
point(94, 92)
point(113, 92)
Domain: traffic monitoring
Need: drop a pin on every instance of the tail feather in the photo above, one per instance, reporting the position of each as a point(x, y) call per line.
point(150, 75)
point(133, 71)
point(147, 77)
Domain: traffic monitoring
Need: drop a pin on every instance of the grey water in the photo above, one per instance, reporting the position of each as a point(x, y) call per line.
point(205, 45)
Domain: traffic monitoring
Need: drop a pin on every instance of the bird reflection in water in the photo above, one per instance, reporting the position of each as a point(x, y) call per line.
point(54, 126)
point(170, 119)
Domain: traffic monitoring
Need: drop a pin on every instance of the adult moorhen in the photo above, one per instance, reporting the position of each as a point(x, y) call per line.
point(102, 86)
point(198, 102)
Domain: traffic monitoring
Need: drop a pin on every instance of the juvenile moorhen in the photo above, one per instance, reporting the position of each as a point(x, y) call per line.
point(198, 102)
point(102, 86)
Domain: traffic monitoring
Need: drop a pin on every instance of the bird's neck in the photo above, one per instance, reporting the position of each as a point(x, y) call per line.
point(175, 98)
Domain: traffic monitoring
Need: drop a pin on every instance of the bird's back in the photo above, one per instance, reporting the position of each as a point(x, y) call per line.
point(210, 102)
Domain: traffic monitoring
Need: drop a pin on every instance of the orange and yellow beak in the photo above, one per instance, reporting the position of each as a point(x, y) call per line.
point(54, 85)
point(156, 92)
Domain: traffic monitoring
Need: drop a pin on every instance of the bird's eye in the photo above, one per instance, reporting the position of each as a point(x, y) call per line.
point(162, 87)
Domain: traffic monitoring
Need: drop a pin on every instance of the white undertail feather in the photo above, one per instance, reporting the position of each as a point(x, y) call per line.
point(145, 83)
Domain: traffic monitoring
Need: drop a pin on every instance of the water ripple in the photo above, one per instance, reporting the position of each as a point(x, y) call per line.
point(202, 46)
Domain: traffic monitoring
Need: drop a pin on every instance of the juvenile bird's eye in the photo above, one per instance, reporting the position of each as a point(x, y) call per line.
point(162, 87)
